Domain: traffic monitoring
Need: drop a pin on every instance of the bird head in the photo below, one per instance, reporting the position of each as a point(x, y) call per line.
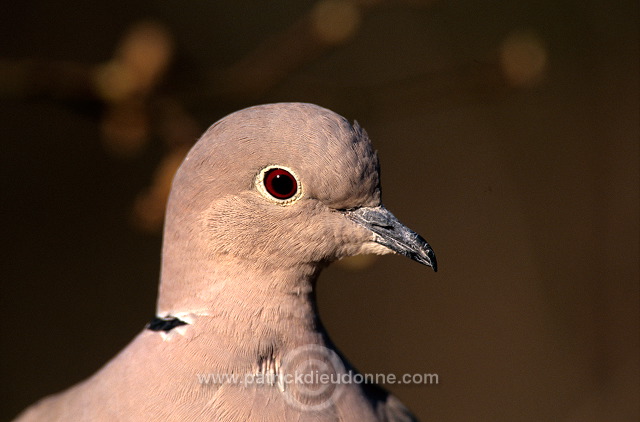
point(279, 186)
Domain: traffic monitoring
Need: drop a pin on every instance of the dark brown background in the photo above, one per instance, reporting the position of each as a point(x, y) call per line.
point(527, 191)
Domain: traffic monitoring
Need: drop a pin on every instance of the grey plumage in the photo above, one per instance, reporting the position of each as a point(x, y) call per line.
point(239, 268)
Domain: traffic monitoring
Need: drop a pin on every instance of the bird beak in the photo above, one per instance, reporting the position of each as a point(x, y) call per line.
point(390, 232)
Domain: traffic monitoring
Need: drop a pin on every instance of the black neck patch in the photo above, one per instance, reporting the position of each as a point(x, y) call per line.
point(165, 324)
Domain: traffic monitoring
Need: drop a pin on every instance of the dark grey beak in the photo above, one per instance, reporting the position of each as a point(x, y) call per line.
point(393, 234)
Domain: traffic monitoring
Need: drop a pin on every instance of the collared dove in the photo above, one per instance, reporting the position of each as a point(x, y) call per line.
point(264, 200)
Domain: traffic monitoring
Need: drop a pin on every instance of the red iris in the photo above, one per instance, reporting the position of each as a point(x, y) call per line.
point(280, 183)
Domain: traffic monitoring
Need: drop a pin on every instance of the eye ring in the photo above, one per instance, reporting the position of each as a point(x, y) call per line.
point(279, 184)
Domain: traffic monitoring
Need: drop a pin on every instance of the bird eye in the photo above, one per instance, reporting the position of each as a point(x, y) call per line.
point(280, 183)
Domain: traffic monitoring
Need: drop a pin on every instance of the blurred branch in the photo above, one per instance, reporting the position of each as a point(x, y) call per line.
point(327, 25)
point(31, 78)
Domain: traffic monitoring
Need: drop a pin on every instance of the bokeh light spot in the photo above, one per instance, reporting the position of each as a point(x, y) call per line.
point(335, 21)
point(523, 58)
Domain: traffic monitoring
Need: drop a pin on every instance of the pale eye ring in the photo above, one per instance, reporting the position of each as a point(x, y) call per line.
point(279, 184)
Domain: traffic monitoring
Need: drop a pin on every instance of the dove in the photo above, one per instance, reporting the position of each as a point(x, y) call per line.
point(267, 197)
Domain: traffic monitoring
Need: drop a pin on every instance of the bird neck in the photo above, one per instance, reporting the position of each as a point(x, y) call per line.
point(262, 300)
point(240, 296)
